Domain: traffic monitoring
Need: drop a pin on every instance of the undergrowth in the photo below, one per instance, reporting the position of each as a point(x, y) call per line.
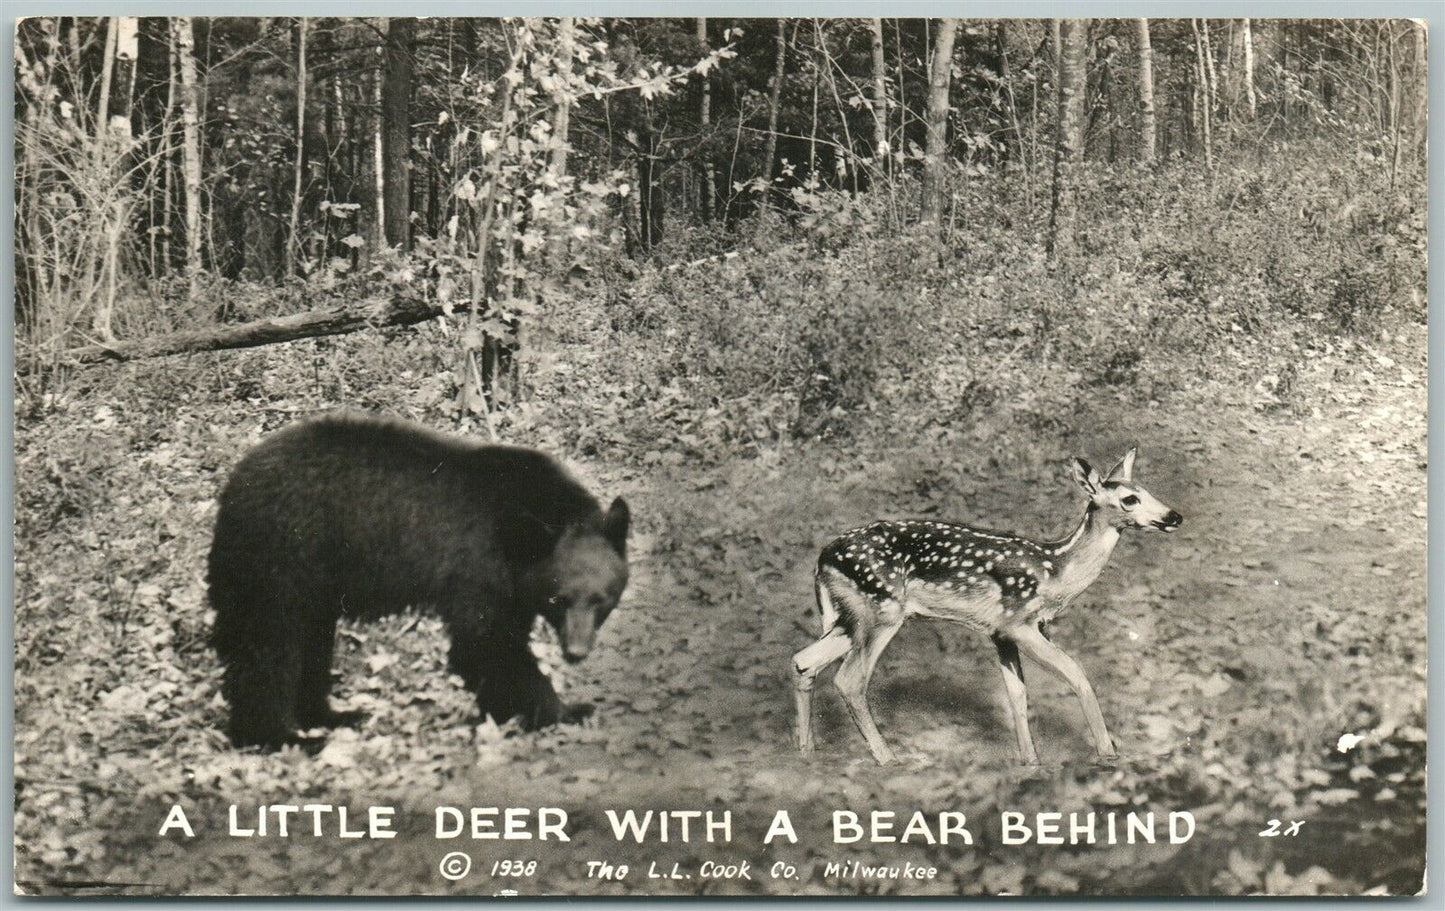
point(829, 322)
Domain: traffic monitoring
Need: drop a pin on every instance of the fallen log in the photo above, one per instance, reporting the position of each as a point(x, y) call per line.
point(370, 313)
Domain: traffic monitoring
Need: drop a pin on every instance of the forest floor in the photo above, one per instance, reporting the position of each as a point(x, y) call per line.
point(1229, 658)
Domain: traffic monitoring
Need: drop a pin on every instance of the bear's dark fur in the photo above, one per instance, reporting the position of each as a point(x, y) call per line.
point(348, 516)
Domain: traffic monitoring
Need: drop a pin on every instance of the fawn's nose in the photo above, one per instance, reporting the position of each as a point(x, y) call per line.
point(1171, 521)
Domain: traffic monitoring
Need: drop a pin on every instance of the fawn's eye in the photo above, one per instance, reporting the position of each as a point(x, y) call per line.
point(1130, 500)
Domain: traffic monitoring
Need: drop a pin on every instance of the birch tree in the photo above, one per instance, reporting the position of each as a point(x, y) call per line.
point(775, 92)
point(880, 93)
point(1146, 93)
point(1246, 37)
point(298, 178)
point(562, 95)
point(1203, 92)
point(933, 160)
point(190, 146)
point(107, 69)
point(1069, 144)
point(127, 49)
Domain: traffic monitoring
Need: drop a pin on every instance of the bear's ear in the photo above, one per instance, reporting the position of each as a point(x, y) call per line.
point(526, 537)
point(615, 524)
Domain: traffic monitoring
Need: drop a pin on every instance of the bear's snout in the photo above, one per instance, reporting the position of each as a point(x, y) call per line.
point(574, 655)
point(577, 635)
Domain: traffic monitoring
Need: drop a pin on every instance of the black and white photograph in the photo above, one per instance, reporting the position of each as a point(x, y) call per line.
point(690, 456)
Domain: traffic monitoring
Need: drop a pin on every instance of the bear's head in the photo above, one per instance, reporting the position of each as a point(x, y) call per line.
point(579, 573)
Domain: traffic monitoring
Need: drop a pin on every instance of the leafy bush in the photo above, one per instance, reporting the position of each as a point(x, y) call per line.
point(830, 321)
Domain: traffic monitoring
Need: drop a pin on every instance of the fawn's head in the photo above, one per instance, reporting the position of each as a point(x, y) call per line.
point(1124, 503)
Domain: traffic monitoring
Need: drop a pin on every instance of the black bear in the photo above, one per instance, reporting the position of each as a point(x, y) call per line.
point(350, 516)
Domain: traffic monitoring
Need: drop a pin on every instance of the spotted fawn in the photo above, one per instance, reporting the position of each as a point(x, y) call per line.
point(871, 579)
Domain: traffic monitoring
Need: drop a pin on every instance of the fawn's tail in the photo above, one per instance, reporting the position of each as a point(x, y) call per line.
point(826, 610)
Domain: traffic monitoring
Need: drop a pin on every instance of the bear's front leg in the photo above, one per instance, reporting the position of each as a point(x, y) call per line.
point(508, 684)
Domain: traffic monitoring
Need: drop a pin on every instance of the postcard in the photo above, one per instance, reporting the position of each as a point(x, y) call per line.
point(593, 457)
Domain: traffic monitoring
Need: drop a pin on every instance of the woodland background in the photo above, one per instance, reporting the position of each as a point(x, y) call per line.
point(769, 279)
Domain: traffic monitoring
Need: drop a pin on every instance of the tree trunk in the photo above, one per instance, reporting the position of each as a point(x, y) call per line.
point(562, 97)
point(293, 239)
point(813, 127)
point(1146, 94)
point(368, 314)
point(396, 92)
point(704, 119)
point(1069, 145)
point(1228, 72)
point(1393, 99)
point(340, 166)
point(168, 180)
point(1203, 95)
point(107, 68)
point(127, 48)
point(190, 147)
point(32, 274)
point(112, 137)
point(158, 170)
point(1101, 111)
point(933, 161)
point(775, 92)
point(373, 170)
point(1211, 77)
point(557, 247)
point(651, 205)
point(1420, 85)
point(880, 93)
point(900, 85)
point(1247, 67)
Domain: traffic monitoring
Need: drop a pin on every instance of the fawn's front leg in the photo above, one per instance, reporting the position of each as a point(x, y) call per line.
point(1034, 644)
point(1012, 670)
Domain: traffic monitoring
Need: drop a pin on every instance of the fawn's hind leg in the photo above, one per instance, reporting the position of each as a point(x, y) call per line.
point(852, 681)
point(806, 665)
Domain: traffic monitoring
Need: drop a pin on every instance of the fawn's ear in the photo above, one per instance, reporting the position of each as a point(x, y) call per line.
point(1085, 476)
point(1124, 470)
